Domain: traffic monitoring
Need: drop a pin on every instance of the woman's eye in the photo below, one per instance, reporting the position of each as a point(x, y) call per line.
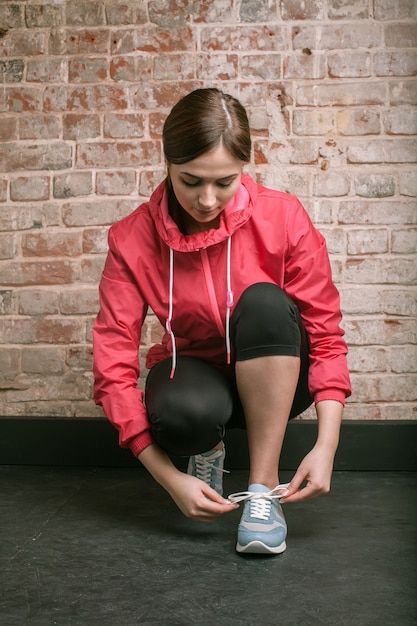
point(187, 184)
point(224, 185)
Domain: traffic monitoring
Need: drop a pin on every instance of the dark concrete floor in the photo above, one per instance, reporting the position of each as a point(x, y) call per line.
point(107, 547)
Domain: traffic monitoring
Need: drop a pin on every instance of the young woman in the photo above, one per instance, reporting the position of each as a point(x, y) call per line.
point(240, 279)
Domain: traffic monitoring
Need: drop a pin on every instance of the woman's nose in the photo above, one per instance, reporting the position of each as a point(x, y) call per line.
point(207, 197)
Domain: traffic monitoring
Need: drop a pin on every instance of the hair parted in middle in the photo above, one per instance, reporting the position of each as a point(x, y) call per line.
point(203, 120)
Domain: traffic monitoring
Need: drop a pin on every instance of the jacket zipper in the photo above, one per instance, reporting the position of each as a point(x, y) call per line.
point(211, 292)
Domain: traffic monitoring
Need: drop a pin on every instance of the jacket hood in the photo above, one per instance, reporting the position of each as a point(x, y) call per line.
point(234, 215)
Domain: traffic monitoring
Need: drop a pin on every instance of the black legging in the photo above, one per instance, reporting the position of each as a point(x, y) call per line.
point(190, 412)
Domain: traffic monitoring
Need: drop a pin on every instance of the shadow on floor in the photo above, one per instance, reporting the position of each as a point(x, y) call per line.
point(108, 547)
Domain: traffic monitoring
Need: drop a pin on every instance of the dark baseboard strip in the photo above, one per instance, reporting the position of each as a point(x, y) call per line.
point(364, 446)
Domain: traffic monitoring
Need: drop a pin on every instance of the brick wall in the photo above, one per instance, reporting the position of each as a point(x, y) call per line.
point(330, 89)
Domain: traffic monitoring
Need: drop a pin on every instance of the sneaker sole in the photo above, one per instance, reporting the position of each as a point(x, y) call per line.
point(257, 547)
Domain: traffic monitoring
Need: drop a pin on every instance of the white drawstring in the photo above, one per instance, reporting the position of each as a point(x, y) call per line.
point(229, 299)
point(229, 304)
point(169, 318)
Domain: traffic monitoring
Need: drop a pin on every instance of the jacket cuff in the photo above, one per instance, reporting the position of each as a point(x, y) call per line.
point(330, 394)
point(140, 442)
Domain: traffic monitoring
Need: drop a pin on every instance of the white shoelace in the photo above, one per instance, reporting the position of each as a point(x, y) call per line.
point(205, 465)
point(260, 501)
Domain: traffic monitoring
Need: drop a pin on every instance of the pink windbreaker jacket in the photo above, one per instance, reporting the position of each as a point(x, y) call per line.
point(192, 282)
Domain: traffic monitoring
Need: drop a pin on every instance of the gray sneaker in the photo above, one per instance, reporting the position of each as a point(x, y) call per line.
point(208, 466)
point(262, 527)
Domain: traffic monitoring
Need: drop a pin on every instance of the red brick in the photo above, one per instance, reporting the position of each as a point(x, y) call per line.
point(366, 34)
point(253, 66)
point(73, 184)
point(173, 67)
point(383, 151)
point(151, 39)
point(395, 63)
point(404, 241)
point(126, 13)
point(245, 38)
point(90, 214)
point(58, 244)
point(7, 246)
point(11, 71)
point(149, 180)
point(164, 94)
point(8, 128)
point(304, 66)
point(116, 183)
point(349, 64)
point(122, 154)
point(95, 240)
point(341, 94)
point(43, 15)
point(217, 67)
point(381, 212)
point(369, 241)
point(43, 360)
point(400, 35)
point(84, 13)
point(20, 42)
point(38, 272)
point(348, 9)
point(88, 70)
point(20, 217)
point(400, 10)
point(374, 185)
point(400, 121)
point(301, 10)
point(259, 11)
point(23, 98)
point(3, 189)
point(358, 122)
point(79, 301)
point(130, 68)
point(124, 125)
point(48, 330)
point(312, 122)
point(39, 126)
point(71, 41)
point(52, 156)
point(27, 188)
point(403, 92)
point(11, 15)
point(80, 358)
point(46, 70)
point(81, 126)
point(91, 269)
point(379, 270)
point(37, 302)
point(88, 98)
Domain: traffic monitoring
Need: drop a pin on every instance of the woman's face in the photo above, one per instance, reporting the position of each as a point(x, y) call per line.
point(205, 185)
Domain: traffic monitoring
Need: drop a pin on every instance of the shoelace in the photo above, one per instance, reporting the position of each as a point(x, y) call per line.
point(260, 501)
point(205, 465)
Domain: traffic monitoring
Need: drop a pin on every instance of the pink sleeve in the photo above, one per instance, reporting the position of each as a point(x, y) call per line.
point(308, 281)
point(116, 340)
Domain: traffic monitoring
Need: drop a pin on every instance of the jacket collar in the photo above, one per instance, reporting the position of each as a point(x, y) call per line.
point(235, 214)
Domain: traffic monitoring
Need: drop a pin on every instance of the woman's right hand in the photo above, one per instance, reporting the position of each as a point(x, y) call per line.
point(197, 500)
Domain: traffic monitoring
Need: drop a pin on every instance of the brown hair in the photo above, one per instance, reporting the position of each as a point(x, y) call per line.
point(201, 121)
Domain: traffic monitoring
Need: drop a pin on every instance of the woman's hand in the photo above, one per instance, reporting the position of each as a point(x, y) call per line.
point(316, 470)
point(193, 497)
point(197, 500)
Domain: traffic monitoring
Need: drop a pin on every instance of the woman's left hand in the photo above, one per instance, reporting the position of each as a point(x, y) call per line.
point(316, 470)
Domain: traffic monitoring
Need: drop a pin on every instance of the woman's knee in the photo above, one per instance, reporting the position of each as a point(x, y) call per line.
point(188, 413)
point(267, 320)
